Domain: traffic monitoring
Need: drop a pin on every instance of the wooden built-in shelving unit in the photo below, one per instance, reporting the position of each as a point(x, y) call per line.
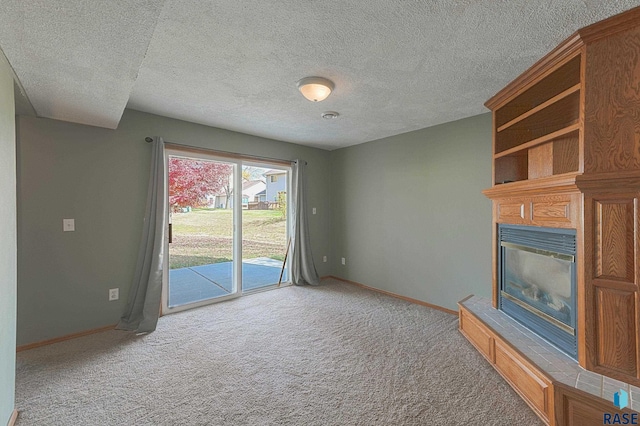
point(566, 153)
point(537, 133)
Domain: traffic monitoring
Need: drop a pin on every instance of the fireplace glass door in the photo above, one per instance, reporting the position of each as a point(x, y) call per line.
point(541, 280)
point(538, 281)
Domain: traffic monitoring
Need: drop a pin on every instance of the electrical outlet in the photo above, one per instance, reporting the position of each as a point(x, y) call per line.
point(114, 294)
point(324, 259)
point(344, 262)
point(68, 225)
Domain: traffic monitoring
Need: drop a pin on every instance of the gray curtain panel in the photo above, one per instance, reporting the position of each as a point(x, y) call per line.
point(143, 306)
point(303, 270)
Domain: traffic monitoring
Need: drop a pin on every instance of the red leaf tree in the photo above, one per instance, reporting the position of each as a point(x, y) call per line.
point(190, 181)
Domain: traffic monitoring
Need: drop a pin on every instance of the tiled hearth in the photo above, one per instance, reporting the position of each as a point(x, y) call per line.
point(548, 358)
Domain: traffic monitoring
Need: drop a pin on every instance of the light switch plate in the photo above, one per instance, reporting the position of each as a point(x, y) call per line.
point(314, 210)
point(68, 225)
point(114, 294)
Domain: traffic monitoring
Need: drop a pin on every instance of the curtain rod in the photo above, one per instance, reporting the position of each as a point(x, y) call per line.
point(149, 139)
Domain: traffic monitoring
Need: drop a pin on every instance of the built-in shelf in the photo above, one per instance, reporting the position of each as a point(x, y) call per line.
point(541, 125)
point(540, 107)
point(562, 78)
point(553, 154)
point(537, 132)
point(546, 138)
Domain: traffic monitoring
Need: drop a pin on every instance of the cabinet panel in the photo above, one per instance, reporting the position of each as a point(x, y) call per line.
point(614, 240)
point(558, 211)
point(541, 161)
point(577, 408)
point(579, 413)
point(611, 322)
point(533, 388)
point(512, 211)
point(477, 335)
point(612, 128)
point(566, 154)
point(616, 330)
point(511, 168)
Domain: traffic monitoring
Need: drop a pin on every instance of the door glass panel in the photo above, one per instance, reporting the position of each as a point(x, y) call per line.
point(201, 230)
point(264, 227)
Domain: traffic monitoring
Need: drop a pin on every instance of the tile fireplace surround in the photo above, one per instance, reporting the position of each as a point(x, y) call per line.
point(555, 363)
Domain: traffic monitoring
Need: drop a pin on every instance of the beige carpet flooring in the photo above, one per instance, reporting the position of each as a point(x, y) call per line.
point(330, 355)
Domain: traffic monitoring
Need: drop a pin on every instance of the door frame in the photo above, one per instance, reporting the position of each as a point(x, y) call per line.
point(265, 164)
point(236, 235)
point(237, 164)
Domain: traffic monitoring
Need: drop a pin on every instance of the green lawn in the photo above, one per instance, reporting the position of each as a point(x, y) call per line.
point(204, 236)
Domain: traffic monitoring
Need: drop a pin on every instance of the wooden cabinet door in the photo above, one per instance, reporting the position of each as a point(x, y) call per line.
point(523, 378)
point(557, 211)
point(611, 285)
point(477, 335)
point(576, 408)
point(514, 211)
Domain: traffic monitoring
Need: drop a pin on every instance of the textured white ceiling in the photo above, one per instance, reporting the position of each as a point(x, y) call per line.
point(397, 65)
point(78, 59)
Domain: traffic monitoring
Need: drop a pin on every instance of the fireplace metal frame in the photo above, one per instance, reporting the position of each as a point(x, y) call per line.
point(553, 242)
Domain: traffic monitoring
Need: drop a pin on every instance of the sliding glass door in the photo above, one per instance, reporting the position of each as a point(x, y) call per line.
point(264, 226)
point(228, 232)
point(201, 230)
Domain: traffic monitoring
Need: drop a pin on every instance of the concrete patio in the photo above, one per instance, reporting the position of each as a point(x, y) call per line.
point(197, 283)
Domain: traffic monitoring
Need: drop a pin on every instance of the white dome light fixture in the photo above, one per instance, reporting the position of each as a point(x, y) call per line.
point(315, 89)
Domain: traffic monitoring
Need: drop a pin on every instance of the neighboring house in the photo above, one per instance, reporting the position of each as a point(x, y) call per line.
point(276, 182)
point(251, 190)
point(218, 201)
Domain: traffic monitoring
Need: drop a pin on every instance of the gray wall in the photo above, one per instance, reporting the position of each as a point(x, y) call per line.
point(406, 212)
point(7, 243)
point(99, 178)
point(409, 216)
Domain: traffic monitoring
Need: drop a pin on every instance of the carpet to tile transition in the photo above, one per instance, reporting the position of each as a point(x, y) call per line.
point(329, 355)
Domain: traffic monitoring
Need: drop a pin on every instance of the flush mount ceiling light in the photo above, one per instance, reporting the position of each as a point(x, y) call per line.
point(315, 89)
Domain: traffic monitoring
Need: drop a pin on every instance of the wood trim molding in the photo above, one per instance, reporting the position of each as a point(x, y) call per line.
point(13, 418)
point(620, 22)
point(63, 338)
point(397, 296)
point(618, 181)
point(567, 49)
point(224, 154)
point(558, 56)
point(558, 184)
point(465, 299)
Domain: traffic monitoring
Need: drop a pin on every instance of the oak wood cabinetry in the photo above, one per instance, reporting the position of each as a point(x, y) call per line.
point(611, 284)
point(559, 211)
point(534, 387)
point(566, 153)
point(577, 408)
point(556, 402)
